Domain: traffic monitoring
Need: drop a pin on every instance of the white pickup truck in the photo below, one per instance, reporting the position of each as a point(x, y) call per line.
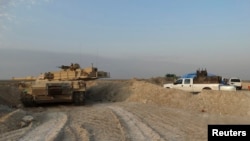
point(235, 81)
point(188, 85)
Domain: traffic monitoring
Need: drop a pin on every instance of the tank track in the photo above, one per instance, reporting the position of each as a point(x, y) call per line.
point(27, 100)
point(78, 98)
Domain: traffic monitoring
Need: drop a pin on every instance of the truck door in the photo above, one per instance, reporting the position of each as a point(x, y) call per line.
point(187, 84)
point(178, 84)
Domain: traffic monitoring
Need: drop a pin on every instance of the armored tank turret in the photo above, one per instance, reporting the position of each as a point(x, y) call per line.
point(66, 85)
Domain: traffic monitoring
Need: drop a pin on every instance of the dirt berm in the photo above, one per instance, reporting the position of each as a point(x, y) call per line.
point(127, 110)
point(216, 102)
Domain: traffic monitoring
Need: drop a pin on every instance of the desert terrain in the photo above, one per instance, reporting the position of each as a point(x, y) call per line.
point(123, 110)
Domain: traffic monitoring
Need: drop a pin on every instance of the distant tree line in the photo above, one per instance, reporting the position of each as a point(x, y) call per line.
point(168, 75)
point(171, 77)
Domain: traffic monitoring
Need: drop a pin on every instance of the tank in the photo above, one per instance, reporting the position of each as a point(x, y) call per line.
point(65, 85)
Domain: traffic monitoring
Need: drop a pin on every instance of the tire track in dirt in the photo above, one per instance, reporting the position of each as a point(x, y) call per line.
point(95, 123)
point(3, 126)
point(15, 134)
point(178, 124)
point(119, 125)
point(49, 130)
point(67, 133)
point(169, 122)
point(135, 129)
point(70, 131)
point(73, 132)
point(10, 128)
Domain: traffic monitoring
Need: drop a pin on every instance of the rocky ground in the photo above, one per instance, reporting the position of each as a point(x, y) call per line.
point(126, 110)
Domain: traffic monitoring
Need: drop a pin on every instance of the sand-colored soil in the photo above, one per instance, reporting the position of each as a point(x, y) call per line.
point(126, 110)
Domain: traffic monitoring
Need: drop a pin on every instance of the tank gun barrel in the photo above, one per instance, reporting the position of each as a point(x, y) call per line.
point(64, 67)
point(71, 67)
point(28, 78)
point(103, 74)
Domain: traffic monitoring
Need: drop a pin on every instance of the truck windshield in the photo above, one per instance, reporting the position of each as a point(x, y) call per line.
point(187, 81)
point(178, 81)
point(235, 80)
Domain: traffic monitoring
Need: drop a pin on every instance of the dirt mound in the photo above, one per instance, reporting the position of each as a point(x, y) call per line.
point(222, 102)
point(246, 85)
point(109, 91)
point(214, 102)
point(158, 80)
point(146, 92)
point(217, 102)
point(9, 95)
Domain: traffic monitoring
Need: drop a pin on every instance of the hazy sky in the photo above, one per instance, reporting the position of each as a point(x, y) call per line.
point(128, 38)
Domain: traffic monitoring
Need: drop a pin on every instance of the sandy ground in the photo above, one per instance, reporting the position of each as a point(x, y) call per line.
point(124, 110)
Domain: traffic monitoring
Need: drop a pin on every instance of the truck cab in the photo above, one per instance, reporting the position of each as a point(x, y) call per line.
point(182, 83)
point(235, 81)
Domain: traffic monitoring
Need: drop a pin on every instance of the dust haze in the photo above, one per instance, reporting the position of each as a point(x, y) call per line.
point(21, 63)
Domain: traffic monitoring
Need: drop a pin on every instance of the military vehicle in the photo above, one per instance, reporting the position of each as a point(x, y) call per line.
point(199, 82)
point(66, 85)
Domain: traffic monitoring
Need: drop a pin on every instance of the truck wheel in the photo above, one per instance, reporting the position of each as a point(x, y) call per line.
point(238, 88)
point(78, 98)
point(27, 100)
point(206, 88)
